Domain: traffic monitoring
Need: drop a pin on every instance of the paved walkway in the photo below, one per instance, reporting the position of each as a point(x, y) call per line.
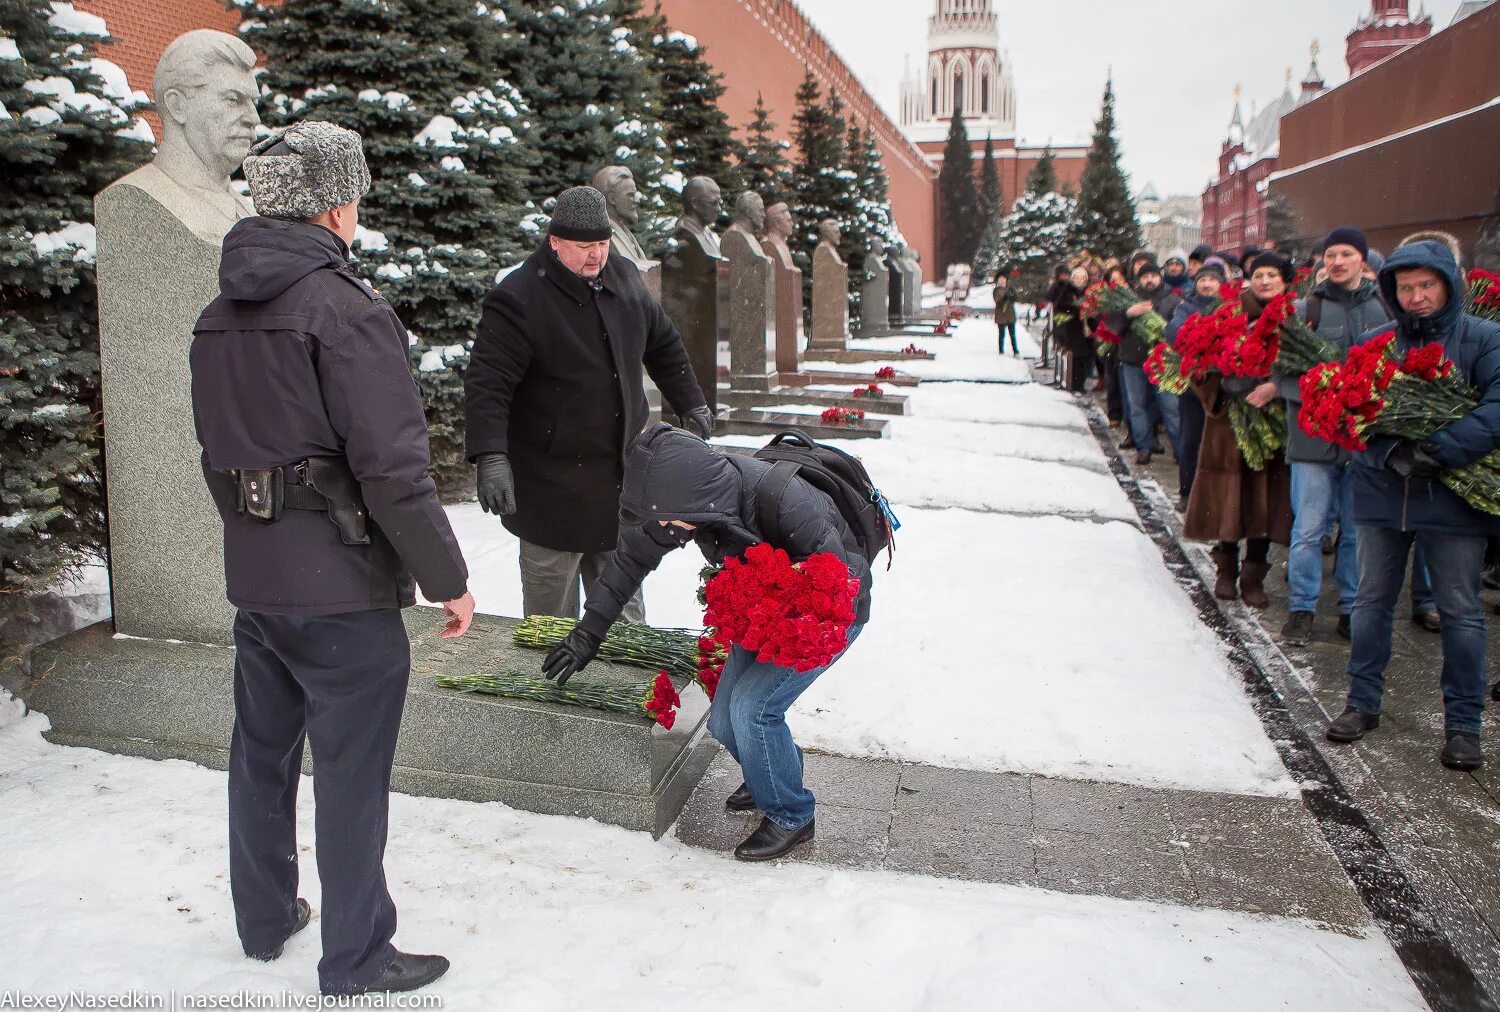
point(1441, 826)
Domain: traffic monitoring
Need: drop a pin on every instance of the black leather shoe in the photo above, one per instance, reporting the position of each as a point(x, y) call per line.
point(407, 973)
point(770, 841)
point(1344, 629)
point(304, 914)
point(1298, 631)
point(1352, 725)
point(1462, 751)
point(741, 800)
point(1429, 620)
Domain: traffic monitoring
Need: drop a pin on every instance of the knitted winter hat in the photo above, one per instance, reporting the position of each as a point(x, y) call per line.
point(1270, 258)
point(1214, 265)
point(1149, 266)
point(1347, 235)
point(307, 169)
point(1201, 252)
point(582, 215)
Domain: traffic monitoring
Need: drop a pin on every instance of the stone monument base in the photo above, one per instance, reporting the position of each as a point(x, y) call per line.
point(823, 377)
point(857, 355)
point(754, 422)
point(165, 700)
point(891, 404)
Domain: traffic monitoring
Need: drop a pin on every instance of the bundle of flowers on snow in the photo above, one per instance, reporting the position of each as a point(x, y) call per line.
point(656, 699)
point(841, 416)
point(791, 615)
point(873, 390)
point(1483, 297)
point(1371, 394)
point(950, 318)
point(885, 372)
point(1223, 342)
point(912, 349)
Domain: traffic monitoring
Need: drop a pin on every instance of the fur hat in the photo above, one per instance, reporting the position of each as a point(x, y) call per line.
point(307, 169)
point(1270, 258)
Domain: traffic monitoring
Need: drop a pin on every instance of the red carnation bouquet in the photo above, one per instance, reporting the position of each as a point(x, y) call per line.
point(886, 372)
point(1483, 296)
point(791, 615)
point(1370, 394)
point(841, 416)
point(873, 390)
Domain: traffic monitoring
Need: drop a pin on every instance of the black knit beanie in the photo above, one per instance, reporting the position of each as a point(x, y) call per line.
point(1347, 235)
point(1270, 258)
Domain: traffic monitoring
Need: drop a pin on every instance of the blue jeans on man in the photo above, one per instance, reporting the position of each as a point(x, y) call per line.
point(1317, 490)
point(1455, 564)
point(748, 718)
point(1146, 407)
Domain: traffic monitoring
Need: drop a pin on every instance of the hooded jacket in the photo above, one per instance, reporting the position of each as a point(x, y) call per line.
point(1382, 497)
point(298, 357)
point(1343, 317)
point(555, 383)
point(673, 475)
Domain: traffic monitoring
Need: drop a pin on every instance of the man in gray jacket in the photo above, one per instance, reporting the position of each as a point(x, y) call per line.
point(1339, 310)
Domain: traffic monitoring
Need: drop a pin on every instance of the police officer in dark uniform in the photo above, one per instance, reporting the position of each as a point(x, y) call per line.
point(315, 451)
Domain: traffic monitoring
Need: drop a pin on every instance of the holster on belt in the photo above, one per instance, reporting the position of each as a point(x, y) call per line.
point(317, 484)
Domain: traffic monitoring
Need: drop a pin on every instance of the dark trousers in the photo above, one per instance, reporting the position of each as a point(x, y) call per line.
point(1455, 564)
point(1009, 327)
point(1081, 370)
point(1114, 404)
point(337, 682)
point(1190, 438)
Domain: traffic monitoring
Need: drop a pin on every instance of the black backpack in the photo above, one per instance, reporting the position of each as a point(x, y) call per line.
point(834, 473)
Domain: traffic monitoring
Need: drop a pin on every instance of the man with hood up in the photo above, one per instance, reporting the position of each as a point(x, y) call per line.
point(1175, 274)
point(315, 452)
point(680, 489)
point(1398, 499)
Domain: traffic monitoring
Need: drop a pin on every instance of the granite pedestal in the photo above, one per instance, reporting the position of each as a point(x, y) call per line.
point(166, 700)
point(756, 422)
point(830, 314)
point(890, 404)
point(752, 312)
point(874, 295)
point(694, 293)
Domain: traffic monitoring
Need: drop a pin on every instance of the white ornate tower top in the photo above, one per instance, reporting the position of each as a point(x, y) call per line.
point(965, 69)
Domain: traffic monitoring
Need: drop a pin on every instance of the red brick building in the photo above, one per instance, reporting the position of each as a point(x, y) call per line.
point(1411, 144)
point(1385, 31)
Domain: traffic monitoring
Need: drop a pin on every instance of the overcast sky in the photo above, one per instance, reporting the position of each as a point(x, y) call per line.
point(1175, 65)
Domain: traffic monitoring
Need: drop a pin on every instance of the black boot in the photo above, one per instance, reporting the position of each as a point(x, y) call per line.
point(407, 972)
point(1429, 620)
point(1462, 751)
point(741, 800)
point(1298, 630)
point(1344, 629)
point(304, 914)
point(770, 841)
point(1352, 725)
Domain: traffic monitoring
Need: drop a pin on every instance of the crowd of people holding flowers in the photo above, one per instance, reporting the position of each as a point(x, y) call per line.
point(1347, 406)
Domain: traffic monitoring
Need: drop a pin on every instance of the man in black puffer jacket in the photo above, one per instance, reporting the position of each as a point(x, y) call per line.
point(301, 386)
point(680, 489)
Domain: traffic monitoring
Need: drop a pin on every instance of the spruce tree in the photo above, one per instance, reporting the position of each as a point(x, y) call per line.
point(1043, 175)
point(959, 227)
point(698, 135)
point(815, 185)
point(449, 141)
point(991, 211)
point(764, 164)
point(587, 76)
point(1107, 224)
point(67, 130)
point(1034, 238)
point(874, 186)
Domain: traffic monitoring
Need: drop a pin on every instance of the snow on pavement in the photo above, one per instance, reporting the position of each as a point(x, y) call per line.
point(117, 880)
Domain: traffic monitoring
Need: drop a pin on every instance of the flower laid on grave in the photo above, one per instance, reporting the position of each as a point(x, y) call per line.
point(793, 615)
point(1371, 394)
point(656, 699)
point(1483, 296)
point(631, 643)
point(886, 372)
point(950, 318)
point(842, 416)
point(873, 390)
point(912, 349)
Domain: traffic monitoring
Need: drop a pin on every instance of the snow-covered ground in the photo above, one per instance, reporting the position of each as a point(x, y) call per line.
point(116, 880)
point(1011, 633)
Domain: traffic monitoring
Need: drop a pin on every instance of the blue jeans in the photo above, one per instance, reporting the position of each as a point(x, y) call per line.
point(1147, 405)
point(1421, 583)
point(1009, 328)
point(748, 718)
point(1314, 488)
point(1456, 561)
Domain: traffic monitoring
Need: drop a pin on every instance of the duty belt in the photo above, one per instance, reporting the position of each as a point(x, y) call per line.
point(317, 485)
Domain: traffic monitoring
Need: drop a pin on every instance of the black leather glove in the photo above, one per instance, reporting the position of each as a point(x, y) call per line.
point(1415, 460)
point(497, 486)
point(570, 656)
point(700, 421)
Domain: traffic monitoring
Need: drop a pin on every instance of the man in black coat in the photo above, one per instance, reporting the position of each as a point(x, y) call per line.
point(679, 489)
point(554, 396)
point(315, 452)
